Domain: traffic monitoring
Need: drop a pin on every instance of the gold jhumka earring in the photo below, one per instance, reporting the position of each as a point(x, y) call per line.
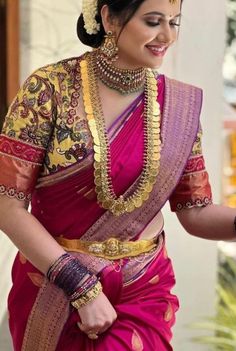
point(109, 49)
point(125, 81)
point(172, 1)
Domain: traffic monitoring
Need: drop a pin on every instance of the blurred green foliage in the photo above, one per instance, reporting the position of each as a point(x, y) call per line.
point(231, 25)
point(221, 329)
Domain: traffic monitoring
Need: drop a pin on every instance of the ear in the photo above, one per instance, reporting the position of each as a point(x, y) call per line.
point(107, 21)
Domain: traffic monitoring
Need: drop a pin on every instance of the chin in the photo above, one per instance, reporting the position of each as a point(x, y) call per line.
point(156, 66)
point(153, 64)
point(158, 63)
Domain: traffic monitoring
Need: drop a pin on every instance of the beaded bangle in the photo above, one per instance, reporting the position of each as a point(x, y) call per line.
point(88, 297)
point(67, 273)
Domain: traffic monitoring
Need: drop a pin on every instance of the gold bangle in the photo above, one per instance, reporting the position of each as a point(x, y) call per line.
point(88, 297)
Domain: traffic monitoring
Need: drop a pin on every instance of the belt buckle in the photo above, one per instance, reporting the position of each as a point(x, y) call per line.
point(111, 247)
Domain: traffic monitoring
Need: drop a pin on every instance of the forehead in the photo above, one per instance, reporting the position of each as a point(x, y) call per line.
point(163, 6)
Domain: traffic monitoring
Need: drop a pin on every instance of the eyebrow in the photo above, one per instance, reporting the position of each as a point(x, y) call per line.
point(159, 14)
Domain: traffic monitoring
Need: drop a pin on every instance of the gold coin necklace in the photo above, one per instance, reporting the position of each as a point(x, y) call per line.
point(102, 164)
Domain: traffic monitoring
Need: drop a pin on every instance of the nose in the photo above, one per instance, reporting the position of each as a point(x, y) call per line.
point(166, 34)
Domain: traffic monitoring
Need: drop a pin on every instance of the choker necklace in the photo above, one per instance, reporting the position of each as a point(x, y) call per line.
point(125, 81)
point(102, 163)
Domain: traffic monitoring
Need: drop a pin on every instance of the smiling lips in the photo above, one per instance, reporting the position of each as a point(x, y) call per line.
point(157, 50)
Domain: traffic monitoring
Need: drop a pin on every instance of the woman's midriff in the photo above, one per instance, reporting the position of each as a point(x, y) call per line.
point(153, 228)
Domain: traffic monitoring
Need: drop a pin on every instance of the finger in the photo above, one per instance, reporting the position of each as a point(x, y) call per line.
point(92, 336)
point(105, 327)
point(82, 327)
point(87, 330)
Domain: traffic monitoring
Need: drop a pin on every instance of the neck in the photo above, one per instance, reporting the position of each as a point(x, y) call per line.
point(126, 65)
point(124, 80)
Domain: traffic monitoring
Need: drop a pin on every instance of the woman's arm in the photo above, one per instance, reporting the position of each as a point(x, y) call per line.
point(26, 232)
point(33, 240)
point(213, 222)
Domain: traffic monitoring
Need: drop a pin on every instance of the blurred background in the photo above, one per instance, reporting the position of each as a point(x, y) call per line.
point(37, 32)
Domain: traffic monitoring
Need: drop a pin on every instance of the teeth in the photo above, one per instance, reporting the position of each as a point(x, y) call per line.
point(157, 49)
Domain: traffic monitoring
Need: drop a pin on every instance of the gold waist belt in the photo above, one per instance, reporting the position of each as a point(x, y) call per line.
point(111, 249)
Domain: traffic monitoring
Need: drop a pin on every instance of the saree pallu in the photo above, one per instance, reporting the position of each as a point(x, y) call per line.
point(41, 318)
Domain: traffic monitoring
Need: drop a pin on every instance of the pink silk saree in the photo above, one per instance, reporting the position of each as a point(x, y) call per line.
point(41, 318)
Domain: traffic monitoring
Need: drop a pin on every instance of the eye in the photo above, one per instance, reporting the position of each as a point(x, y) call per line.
point(175, 24)
point(152, 24)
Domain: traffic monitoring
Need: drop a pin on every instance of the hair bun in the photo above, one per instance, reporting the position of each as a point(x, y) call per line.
point(92, 40)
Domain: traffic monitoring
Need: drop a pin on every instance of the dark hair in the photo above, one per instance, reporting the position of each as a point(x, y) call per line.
point(121, 9)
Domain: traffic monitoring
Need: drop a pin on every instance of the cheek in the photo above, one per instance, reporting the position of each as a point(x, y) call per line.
point(138, 35)
point(175, 34)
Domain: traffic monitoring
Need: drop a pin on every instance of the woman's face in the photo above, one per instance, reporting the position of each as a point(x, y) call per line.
point(148, 35)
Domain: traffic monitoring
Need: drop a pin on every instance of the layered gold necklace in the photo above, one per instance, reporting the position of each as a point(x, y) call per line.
point(102, 163)
point(125, 81)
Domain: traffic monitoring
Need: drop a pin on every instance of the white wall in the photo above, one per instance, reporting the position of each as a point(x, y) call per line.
point(197, 59)
point(48, 34)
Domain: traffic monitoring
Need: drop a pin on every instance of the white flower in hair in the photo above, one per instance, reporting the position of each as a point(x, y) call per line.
point(89, 11)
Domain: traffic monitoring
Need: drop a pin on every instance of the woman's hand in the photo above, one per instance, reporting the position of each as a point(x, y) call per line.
point(97, 316)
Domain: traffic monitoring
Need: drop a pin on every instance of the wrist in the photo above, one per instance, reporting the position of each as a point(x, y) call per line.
point(88, 297)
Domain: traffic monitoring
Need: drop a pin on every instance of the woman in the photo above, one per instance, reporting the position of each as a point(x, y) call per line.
point(98, 144)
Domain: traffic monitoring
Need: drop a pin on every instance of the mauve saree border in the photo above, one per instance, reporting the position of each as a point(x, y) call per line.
point(197, 96)
point(195, 137)
point(124, 116)
point(47, 319)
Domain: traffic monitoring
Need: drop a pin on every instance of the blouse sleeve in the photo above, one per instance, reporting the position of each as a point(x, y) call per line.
point(25, 136)
point(193, 189)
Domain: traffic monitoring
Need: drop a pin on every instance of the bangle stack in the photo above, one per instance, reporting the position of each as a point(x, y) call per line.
point(78, 283)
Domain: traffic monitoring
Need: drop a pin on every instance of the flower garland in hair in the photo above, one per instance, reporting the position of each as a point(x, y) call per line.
point(89, 11)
